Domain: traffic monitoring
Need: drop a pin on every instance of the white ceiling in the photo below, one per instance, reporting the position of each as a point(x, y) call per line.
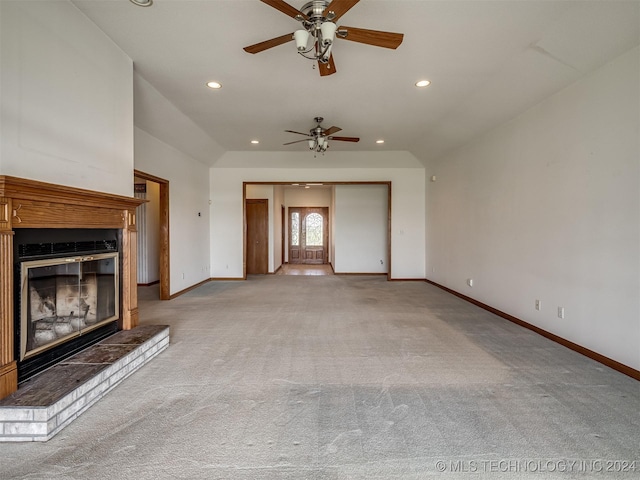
point(488, 61)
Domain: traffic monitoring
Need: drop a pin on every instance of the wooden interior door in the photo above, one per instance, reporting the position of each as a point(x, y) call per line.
point(257, 212)
point(308, 235)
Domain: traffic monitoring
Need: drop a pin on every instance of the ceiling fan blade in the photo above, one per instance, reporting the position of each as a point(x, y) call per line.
point(328, 68)
point(285, 8)
point(267, 44)
point(339, 7)
point(372, 37)
point(297, 141)
point(331, 131)
point(345, 139)
point(299, 133)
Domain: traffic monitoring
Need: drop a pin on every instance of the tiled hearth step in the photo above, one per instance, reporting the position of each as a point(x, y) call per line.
point(50, 401)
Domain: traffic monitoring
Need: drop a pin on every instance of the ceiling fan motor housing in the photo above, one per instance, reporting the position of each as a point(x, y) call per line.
point(318, 130)
point(315, 9)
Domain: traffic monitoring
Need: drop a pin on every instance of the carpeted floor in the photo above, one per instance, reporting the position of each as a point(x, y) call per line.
point(333, 377)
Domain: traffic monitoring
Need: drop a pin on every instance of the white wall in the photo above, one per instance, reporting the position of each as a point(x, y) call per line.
point(67, 99)
point(153, 232)
point(188, 197)
point(332, 235)
point(361, 226)
point(278, 202)
point(408, 203)
point(547, 207)
point(148, 222)
point(307, 197)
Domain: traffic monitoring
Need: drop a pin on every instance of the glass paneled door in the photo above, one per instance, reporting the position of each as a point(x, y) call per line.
point(308, 235)
point(63, 298)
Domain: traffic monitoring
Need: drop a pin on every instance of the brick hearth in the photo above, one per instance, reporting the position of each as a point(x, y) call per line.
point(50, 401)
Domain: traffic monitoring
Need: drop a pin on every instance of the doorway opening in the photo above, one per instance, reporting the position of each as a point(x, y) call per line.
point(358, 225)
point(160, 231)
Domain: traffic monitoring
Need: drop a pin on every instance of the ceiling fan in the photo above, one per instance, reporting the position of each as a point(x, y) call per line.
point(315, 40)
point(318, 137)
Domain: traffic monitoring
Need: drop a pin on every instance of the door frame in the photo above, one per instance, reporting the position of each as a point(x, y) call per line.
point(283, 235)
point(244, 214)
point(164, 264)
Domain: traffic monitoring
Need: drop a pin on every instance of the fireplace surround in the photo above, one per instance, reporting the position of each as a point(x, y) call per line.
point(28, 205)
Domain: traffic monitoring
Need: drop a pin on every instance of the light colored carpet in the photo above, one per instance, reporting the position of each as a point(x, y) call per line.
point(333, 377)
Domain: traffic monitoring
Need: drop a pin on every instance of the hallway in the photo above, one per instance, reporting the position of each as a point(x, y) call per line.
point(301, 269)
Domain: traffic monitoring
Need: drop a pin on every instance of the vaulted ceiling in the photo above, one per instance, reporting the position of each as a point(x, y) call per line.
point(487, 62)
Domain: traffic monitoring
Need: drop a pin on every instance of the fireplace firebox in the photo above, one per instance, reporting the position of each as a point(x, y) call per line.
point(68, 297)
point(65, 298)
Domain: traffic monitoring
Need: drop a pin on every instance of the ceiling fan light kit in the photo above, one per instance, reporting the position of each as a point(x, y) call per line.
point(320, 49)
point(318, 23)
point(319, 144)
point(302, 40)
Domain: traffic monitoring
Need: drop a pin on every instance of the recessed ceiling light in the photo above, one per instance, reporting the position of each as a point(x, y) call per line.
point(214, 85)
point(423, 83)
point(142, 3)
point(255, 142)
point(379, 141)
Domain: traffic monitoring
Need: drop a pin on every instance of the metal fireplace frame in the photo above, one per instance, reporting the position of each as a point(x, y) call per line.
point(78, 330)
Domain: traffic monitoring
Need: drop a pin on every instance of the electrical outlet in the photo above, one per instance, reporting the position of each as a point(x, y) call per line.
point(470, 282)
point(560, 312)
point(538, 305)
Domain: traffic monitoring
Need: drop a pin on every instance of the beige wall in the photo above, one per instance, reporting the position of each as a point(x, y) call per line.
point(547, 207)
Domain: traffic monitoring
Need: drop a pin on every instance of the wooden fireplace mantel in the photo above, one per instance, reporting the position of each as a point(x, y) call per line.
point(32, 204)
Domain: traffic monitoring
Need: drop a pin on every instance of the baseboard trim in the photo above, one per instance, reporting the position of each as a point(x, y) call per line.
point(609, 362)
point(356, 274)
point(149, 284)
point(199, 284)
point(188, 289)
point(406, 279)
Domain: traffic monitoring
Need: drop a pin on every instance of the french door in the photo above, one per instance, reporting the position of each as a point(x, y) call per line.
point(308, 235)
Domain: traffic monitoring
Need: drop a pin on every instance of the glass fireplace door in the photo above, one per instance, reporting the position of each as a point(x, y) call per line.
point(65, 297)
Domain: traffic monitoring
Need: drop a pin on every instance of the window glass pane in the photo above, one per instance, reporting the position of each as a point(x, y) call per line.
point(314, 230)
point(295, 229)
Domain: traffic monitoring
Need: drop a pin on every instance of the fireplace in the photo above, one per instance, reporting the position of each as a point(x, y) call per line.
point(69, 294)
point(68, 300)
